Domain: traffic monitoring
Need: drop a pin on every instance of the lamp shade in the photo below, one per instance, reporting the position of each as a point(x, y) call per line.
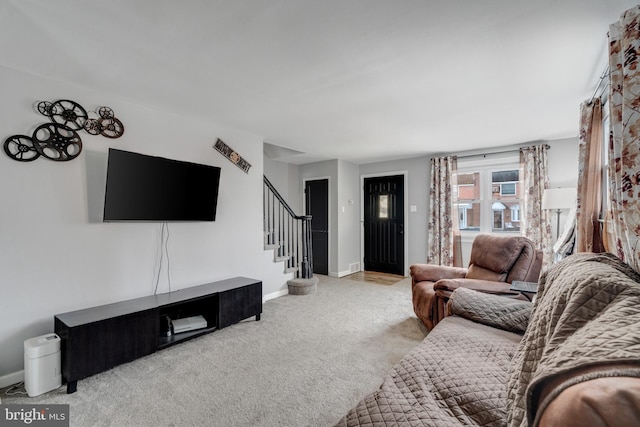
point(559, 198)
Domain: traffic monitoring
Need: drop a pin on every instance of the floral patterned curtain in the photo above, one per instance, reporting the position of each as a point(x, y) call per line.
point(536, 225)
point(443, 233)
point(589, 197)
point(624, 144)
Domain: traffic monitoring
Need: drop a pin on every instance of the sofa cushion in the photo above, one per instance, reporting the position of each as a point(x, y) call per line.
point(455, 377)
point(492, 310)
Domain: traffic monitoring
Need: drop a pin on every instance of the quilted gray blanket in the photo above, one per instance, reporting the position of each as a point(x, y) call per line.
point(455, 377)
point(584, 325)
point(499, 312)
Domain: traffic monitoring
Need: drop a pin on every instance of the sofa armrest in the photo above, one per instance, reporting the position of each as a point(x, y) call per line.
point(485, 286)
point(493, 310)
point(433, 273)
point(601, 402)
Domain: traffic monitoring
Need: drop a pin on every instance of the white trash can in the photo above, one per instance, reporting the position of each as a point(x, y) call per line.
point(42, 360)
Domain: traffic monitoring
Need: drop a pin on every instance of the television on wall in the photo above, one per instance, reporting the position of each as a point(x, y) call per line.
point(147, 188)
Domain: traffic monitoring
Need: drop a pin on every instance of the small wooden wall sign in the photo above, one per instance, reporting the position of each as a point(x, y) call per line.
point(233, 156)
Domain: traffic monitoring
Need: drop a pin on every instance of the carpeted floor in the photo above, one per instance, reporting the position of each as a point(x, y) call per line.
point(308, 361)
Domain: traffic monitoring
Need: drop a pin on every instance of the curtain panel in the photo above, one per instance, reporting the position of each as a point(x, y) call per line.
point(589, 197)
point(536, 225)
point(624, 141)
point(443, 230)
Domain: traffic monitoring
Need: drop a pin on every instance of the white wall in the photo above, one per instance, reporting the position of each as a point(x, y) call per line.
point(54, 259)
point(348, 211)
point(285, 177)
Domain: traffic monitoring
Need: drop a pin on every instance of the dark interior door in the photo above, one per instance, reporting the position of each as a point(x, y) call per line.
point(384, 224)
point(317, 205)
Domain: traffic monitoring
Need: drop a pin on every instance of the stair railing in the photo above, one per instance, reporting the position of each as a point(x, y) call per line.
point(287, 233)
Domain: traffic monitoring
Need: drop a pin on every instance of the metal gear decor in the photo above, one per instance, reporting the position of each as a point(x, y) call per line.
point(74, 116)
point(92, 126)
point(111, 127)
point(59, 140)
point(68, 113)
point(106, 113)
point(21, 148)
point(44, 108)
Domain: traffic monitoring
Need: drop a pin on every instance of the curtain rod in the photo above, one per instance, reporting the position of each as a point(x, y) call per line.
point(515, 150)
point(603, 76)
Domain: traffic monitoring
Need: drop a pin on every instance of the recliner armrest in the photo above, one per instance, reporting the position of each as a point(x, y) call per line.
point(486, 286)
point(600, 402)
point(433, 273)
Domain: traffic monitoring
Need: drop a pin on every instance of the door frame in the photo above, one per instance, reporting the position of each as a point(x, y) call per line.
point(329, 213)
point(405, 174)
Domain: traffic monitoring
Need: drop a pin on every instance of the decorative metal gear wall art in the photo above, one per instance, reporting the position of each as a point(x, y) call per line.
point(92, 127)
point(68, 113)
point(21, 148)
point(59, 140)
point(106, 125)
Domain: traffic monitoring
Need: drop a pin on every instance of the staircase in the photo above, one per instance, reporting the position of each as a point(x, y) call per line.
point(288, 234)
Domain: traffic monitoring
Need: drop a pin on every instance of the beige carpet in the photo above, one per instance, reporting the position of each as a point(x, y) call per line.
point(308, 361)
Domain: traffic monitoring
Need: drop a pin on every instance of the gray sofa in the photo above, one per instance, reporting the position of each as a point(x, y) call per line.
point(572, 358)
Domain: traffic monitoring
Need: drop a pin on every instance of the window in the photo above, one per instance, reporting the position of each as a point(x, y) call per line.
point(488, 196)
point(508, 189)
point(383, 206)
point(462, 212)
point(498, 216)
point(515, 213)
point(468, 198)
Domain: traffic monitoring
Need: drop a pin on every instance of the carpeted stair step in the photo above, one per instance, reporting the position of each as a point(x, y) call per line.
point(302, 286)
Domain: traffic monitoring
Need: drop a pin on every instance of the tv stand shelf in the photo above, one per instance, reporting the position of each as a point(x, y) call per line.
point(100, 338)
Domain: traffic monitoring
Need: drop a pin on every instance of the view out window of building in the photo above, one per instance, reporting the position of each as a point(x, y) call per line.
point(505, 185)
point(515, 213)
point(469, 201)
point(489, 199)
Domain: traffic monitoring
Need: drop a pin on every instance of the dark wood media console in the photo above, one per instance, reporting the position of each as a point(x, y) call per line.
point(100, 338)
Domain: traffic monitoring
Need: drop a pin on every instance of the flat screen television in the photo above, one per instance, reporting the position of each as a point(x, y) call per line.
point(148, 188)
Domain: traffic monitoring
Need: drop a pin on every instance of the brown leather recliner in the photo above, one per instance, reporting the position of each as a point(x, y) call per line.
point(495, 262)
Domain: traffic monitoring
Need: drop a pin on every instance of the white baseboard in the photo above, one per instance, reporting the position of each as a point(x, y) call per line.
point(11, 379)
point(274, 295)
point(341, 273)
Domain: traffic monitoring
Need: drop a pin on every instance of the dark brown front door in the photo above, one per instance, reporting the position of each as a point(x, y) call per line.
point(317, 205)
point(384, 224)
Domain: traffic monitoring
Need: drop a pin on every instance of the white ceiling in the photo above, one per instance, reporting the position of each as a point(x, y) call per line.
point(358, 80)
